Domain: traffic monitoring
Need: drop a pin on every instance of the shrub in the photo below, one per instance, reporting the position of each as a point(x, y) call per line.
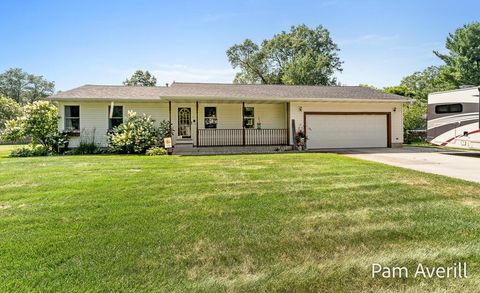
point(135, 135)
point(30, 151)
point(156, 151)
point(165, 129)
point(38, 122)
point(86, 148)
point(58, 142)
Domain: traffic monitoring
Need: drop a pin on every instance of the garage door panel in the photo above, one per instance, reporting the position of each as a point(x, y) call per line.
point(346, 131)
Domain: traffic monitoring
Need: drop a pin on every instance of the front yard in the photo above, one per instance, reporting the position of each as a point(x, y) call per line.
point(297, 222)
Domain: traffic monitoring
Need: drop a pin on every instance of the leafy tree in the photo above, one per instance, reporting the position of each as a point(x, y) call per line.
point(414, 116)
point(419, 84)
point(141, 78)
point(463, 58)
point(398, 90)
point(301, 56)
point(24, 87)
point(9, 109)
point(39, 122)
point(369, 86)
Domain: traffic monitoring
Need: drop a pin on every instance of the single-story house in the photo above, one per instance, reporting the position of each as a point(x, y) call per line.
point(212, 114)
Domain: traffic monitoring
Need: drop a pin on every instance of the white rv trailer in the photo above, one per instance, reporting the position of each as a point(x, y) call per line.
point(452, 118)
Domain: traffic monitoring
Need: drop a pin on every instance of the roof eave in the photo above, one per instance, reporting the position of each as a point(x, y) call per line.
point(266, 99)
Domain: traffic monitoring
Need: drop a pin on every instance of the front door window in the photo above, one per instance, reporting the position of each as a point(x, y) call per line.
point(184, 122)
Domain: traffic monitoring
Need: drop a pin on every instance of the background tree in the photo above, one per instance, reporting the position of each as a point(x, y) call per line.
point(24, 87)
point(301, 56)
point(141, 78)
point(399, 90)
point(463, 58)
point(421, 83)
point(9, 109)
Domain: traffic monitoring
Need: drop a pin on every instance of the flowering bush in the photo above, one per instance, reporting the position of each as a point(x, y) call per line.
point(39, 122)
point(135, 135)
point(30, 151)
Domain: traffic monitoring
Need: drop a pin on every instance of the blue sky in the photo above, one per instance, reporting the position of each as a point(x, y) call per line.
point(103, 42)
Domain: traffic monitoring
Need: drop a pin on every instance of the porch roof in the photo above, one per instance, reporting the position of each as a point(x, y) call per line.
point(226, 92)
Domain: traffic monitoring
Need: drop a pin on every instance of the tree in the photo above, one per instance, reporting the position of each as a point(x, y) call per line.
point(9, 109)
point(141, 78)
point(369, 86)
point(301, 56)
point(39, 122)
point(24, 87)
point(421, 83)
point(463, 58)
point(398, 90)
point(414, 116)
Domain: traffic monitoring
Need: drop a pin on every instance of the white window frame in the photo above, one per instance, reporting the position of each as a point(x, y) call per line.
point(249, 117)
point(113, 117)
point(71, 118)
point(215, 118)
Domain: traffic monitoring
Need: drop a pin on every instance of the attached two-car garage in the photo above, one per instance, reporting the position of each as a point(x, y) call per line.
point(347, 130)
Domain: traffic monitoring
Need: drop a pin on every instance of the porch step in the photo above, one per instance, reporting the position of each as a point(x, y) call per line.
point(183, 147)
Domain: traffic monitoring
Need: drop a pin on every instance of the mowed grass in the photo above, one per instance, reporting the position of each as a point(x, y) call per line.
point(6, 149)
point(286, 222)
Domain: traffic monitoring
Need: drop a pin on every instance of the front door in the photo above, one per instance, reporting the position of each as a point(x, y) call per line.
point(184, 122)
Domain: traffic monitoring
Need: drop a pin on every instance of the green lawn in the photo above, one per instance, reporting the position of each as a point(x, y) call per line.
point(296, 222)
point(6, 149)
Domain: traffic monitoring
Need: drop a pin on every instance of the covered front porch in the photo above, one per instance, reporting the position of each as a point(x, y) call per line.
point(229, 123)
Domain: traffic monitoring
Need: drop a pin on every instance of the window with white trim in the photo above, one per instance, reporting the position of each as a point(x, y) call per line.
point(210, 117)
point(248, 117)
point(115, 118)
point(72, 118)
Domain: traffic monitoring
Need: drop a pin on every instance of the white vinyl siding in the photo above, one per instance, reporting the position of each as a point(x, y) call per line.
point(94, 117)
point(272, 116)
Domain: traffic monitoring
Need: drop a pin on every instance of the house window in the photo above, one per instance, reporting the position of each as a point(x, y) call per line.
point(210, 117)
point(72, 118)
point(115, 118)
point(248, 117)
point(450, 108)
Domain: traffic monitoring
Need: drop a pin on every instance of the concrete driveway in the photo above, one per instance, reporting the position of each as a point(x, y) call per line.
point(458, 164)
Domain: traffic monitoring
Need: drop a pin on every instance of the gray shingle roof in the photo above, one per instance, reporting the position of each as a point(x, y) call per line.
point(218, 91)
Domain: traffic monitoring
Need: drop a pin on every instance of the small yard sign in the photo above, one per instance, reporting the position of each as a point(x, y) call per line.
point(167, 141)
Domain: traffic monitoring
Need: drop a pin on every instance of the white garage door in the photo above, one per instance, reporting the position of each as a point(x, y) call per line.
point(346, 131)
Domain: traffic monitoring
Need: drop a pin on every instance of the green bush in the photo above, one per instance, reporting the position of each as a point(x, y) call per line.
point(156, 151)
point(165, 129)
point(30, 151)
point(135, 135)
point(86, 148)
point(58, 142)
point(39, 122)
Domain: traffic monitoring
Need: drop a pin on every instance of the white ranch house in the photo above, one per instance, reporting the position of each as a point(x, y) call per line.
point(211, 115)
